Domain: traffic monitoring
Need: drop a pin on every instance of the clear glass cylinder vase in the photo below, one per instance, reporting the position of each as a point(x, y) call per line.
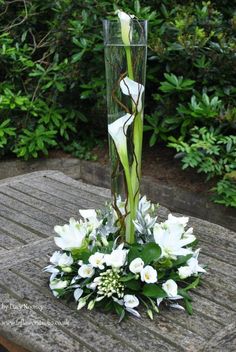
point(125, 44)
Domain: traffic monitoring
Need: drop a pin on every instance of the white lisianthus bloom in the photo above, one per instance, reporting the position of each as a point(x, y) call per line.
point(126, 31)
point(78, 293)
point(118, 131)
point(71, 236)
point(171, 288)
point(148, 274)
point(131, 301)
point(184, 271)
point(170, 237)
point(133, 89)
point(117, 258)
point(136, 265)
point(97, 260)
point(58, 284)
point(86, 270)
point(192, 267)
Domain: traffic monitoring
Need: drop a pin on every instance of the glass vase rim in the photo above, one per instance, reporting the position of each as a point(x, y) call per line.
point(118, 21)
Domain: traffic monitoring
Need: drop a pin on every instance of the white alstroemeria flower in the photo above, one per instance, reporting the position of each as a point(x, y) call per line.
point(55, 258)
point(171, 288)
point(144, 206)
point(148, 274)
point(51, 269)
point(126, 30)
point(192, 267)
point(131, 301)
point(78, 293)
point(188, 235)
point(136, 265)
point(57, 284)
point(71, 235)
point(169, 236)
point(86, 270)
point(134, 90)
point(118, 131)
point(117, 258)
point(97, 260)
point(65, 260)
point(91, 216)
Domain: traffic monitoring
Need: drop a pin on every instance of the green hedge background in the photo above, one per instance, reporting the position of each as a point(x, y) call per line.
point(52, 87)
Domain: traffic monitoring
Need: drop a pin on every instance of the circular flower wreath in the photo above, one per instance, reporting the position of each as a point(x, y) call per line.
point(95, 269)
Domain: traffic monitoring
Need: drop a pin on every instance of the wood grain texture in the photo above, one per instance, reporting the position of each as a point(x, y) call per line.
point(30, 206)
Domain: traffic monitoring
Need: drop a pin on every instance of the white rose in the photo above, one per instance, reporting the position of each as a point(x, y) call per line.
point(131, 301)
point(117, 258)
point(86, 270)
point(136, 265)
point(149, 274)
point(97, 260)
point(170, 287)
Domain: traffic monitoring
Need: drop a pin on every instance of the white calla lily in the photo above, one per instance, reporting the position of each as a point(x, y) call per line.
point(126, 29)
point(118, 131)
point(133, 89)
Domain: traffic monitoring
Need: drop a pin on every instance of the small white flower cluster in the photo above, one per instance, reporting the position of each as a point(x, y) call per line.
point(94, 267)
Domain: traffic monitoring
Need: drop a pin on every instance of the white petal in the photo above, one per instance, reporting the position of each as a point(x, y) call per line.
point(78, 293)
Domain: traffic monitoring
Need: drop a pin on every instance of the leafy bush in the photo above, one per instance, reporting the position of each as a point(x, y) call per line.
point(213, 154)
point(225, 192)
point(52, 84)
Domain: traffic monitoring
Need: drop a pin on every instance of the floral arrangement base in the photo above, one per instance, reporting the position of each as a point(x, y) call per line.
point(97, 269)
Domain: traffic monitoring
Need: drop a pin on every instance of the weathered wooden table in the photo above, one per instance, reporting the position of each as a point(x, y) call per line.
point(31, 317)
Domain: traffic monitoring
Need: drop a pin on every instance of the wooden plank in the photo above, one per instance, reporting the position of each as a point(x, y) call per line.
point(223, 340)
point(36, 203)
point(195, 323)
point(89, 193)
point(45, 197)
point(130, 328)
point(17, 231)
point(37, 227)
point(72, 198)
point(31, 330)
point(90, 332)
point(29, 210)
point(10, 242)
